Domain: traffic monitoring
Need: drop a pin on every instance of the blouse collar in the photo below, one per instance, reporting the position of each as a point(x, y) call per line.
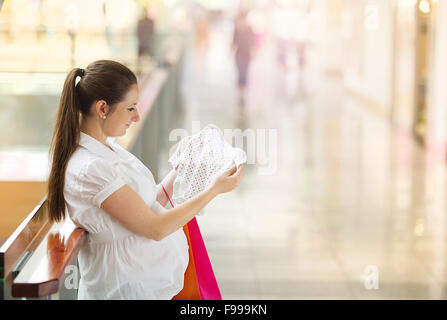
point(97, 147)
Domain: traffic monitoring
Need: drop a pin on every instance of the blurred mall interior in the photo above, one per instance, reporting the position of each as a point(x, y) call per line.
point(346, 101)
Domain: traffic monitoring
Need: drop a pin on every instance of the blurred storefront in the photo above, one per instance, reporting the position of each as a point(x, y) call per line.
point(392, 56)
point(51, 36)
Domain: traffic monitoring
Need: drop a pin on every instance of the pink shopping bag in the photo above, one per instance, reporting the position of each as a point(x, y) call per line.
point(206, 281)
point(209, 290)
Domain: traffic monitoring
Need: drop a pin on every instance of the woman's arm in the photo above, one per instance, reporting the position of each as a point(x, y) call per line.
point(128, 208)
point(168, 184)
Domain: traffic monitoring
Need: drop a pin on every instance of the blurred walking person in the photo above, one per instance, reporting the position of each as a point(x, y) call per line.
point(243, 42)
point(202, 35)
point(145, 36)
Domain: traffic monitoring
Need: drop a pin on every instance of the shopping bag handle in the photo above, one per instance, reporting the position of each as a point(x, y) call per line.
point(167, 196)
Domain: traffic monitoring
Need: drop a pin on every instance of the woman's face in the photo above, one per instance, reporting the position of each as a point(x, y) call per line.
point(122, 116)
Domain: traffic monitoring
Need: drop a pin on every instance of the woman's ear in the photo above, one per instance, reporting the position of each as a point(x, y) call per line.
point(102, 108)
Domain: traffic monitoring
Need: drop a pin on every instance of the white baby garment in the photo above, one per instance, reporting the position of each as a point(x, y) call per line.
point(200, 159)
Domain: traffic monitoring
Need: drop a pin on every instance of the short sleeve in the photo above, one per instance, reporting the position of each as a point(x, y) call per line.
point(98, 181)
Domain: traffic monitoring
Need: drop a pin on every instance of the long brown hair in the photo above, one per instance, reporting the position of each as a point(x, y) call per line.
point(101, 80)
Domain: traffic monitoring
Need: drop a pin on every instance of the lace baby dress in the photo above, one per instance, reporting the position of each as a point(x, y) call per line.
point(200, 159)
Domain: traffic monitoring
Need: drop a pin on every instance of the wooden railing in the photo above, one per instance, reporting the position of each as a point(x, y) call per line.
point(43, 273)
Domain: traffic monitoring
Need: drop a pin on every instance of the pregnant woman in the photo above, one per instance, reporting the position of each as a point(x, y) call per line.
point(136, 248)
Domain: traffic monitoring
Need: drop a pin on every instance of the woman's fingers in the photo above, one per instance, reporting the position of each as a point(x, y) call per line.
point(240, 173)
point(237, 177)
point(229, 179)
point(230, 171)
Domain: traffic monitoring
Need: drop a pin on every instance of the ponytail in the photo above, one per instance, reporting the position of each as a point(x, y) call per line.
point(64, 143)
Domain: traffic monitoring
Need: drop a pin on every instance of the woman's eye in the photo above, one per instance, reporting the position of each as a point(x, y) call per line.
point(131, 109)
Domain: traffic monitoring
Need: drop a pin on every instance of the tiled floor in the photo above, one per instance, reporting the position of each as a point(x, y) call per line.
point(346, 193)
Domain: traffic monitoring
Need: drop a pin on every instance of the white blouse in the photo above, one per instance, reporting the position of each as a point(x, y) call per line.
point(116, 263)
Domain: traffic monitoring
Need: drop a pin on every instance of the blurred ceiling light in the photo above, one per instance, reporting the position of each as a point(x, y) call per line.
point(419, 227)
point(424, 6)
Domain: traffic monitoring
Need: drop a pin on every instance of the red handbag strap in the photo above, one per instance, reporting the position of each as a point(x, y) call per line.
point(167, 195)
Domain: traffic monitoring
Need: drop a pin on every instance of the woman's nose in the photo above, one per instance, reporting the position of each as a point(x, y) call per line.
point(136, 116)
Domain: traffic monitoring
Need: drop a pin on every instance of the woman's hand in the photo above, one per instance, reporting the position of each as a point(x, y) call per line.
point(228, 180)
